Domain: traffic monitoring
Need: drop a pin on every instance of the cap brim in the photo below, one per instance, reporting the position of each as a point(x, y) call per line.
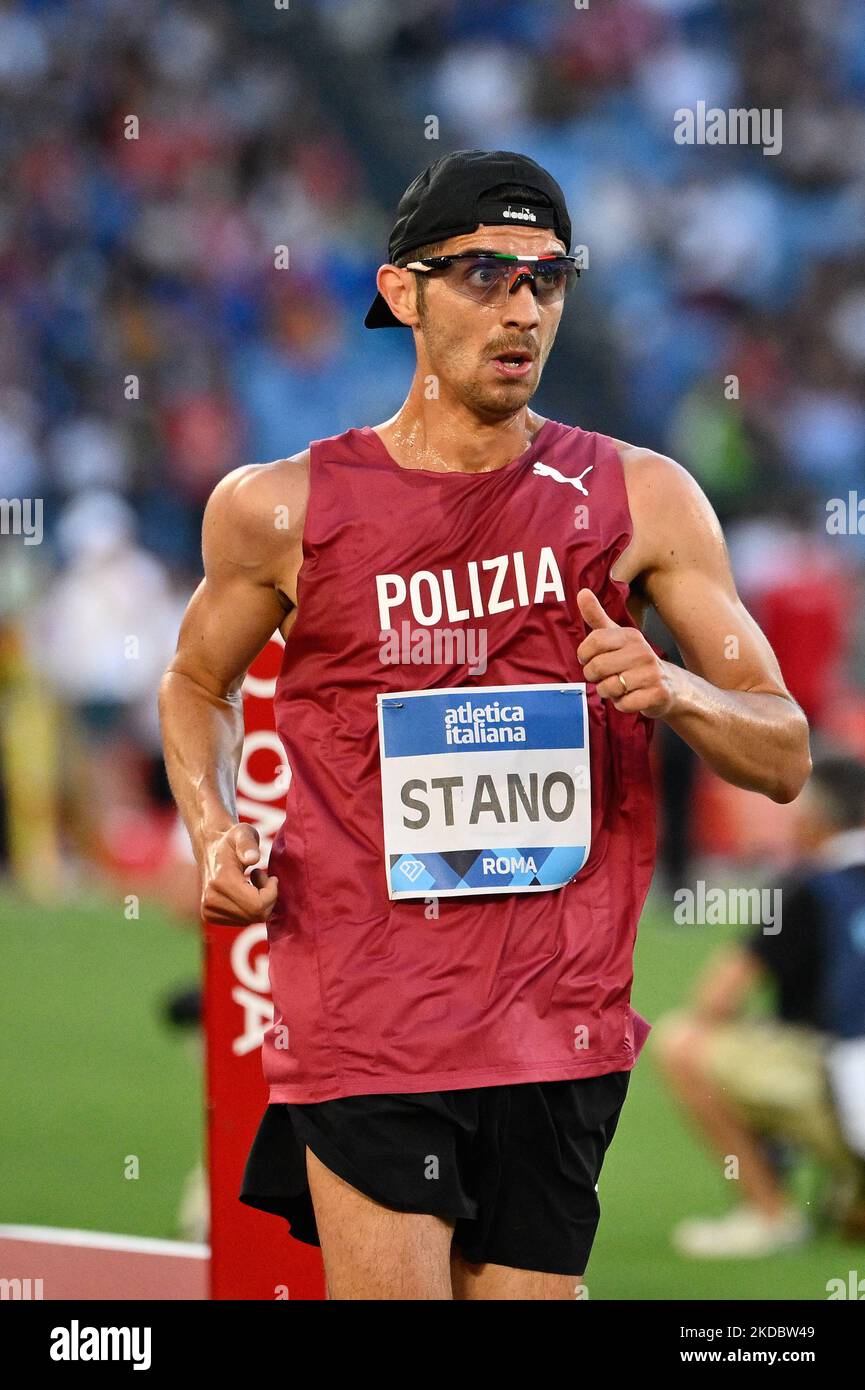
point(379, 315)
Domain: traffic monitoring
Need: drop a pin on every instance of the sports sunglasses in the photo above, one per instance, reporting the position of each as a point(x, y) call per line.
point(490, 276)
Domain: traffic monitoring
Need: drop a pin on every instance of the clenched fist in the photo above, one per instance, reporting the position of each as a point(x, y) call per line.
point(611, 651)
point(232, 896)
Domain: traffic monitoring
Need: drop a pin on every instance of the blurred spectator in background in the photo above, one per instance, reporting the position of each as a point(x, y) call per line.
point(99, 636)
point(799, 1075)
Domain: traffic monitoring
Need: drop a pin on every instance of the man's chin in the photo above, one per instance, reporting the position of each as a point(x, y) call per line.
point(512, 394)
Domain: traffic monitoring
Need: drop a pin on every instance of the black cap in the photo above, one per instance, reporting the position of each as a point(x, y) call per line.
point(461, 190)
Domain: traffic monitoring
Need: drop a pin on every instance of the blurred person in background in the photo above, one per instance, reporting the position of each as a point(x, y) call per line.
point(98, 636)
point(30, 841)
point(796, 1075)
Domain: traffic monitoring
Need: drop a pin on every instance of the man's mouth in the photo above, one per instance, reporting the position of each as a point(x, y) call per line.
point(515, 363)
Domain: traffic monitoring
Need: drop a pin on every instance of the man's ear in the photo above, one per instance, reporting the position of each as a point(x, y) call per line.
point(397, 287)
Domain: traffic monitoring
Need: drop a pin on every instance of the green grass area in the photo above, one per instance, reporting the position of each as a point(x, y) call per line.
point(92, 1074)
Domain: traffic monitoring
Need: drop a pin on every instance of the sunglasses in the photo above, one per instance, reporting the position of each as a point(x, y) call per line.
point(489, 277)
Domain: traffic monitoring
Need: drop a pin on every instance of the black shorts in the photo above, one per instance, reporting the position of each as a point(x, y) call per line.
point(515, 1167)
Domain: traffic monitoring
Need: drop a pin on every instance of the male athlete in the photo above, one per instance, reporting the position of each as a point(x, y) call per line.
point(469, 835)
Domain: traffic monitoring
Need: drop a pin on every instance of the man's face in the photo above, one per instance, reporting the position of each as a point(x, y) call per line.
point(459, 338)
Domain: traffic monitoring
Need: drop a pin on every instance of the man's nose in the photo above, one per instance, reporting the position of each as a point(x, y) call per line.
point(521, 306)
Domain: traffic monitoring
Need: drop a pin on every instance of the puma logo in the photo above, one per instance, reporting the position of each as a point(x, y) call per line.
point(543, 470)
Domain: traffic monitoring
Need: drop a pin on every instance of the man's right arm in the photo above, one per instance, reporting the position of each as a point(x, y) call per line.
point(251, 544)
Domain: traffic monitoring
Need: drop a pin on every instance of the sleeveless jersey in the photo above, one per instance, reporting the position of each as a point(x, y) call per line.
point(373, 995)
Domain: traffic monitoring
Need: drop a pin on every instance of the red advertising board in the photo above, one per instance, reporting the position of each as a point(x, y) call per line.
point(252, 1254)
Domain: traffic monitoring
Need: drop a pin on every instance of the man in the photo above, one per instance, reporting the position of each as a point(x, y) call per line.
point(469, 834)
point(799, 1077)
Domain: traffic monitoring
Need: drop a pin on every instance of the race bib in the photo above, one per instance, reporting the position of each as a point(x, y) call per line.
point(485, 789)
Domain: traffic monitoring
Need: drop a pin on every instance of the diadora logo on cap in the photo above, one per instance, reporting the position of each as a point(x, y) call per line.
point(543, 470)
point(519, 214)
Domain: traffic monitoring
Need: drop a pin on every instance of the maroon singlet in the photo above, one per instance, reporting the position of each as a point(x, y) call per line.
point(378, 996)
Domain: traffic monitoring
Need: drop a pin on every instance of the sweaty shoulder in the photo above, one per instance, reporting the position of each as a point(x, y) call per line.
point(255, 514)
point(673, 519)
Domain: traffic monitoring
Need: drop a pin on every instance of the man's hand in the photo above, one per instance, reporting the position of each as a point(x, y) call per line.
point(229, 898)
point(611, 651)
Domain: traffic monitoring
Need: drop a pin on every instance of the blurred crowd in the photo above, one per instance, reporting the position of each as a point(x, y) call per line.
point(194, 199)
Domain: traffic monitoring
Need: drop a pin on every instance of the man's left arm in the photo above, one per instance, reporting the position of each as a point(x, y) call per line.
point(730, 702)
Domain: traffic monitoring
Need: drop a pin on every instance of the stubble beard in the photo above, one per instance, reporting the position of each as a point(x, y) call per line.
point(494, 400)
